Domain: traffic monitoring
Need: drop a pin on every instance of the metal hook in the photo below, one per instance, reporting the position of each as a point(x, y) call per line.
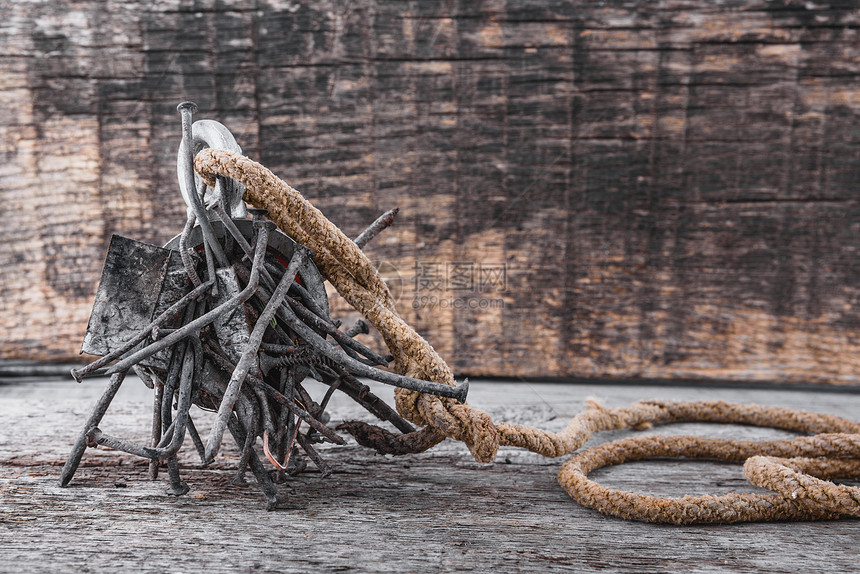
point(212, 134)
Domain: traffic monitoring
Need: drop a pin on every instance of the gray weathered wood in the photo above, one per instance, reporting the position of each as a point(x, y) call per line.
point(437, 511)
point(669, 185)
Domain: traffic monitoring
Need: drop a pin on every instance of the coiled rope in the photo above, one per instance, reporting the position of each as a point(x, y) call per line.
point(797, 471)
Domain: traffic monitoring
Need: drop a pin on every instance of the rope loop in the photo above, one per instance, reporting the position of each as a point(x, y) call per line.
point(797, 470)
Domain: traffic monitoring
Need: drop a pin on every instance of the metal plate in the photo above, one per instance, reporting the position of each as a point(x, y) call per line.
point(175, 285)
point(234, 329)
point(127, 294)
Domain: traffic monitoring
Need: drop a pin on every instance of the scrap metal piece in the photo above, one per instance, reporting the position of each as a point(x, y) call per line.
point(280, 250)
point(193, 328)
point(232, 330)
point(176, 285)
point(127, 295)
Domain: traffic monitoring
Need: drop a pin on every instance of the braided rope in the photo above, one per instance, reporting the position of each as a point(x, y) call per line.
point(801, 489)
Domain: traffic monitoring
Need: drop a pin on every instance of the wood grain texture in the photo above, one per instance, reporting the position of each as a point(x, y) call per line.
point(433, 512)
point(668, 186)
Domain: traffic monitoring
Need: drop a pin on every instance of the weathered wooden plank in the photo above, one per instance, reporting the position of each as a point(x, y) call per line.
point(435, 511)
point(658, 190)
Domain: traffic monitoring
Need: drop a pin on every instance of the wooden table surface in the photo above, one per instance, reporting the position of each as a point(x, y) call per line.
point(436, 511)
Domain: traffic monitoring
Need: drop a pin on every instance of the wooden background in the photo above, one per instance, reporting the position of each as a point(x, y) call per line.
point(670, 187)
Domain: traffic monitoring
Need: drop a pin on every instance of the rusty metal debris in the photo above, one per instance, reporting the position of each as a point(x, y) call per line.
point(232, 316)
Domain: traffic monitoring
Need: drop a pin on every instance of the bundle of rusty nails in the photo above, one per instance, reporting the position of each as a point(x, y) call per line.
point(199, 326)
